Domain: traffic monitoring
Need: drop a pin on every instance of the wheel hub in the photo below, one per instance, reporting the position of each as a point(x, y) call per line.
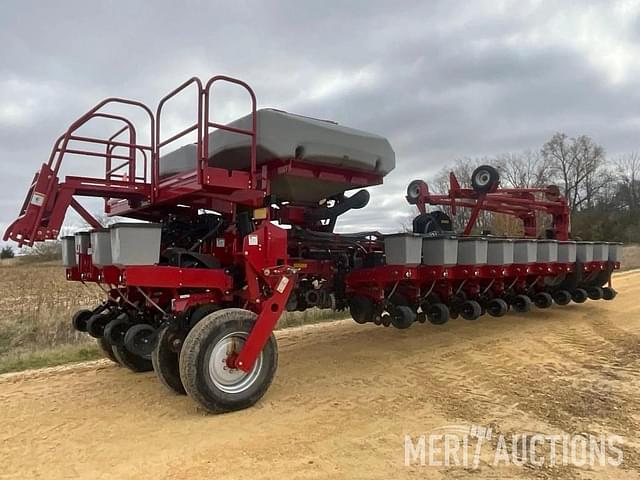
point(222, 371)
point(483, 178)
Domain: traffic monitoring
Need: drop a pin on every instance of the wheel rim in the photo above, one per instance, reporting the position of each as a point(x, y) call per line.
point(483, 178)
point(142, 342)
point(226, 379)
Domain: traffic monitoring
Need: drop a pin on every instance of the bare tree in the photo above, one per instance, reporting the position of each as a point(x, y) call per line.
point(578, 163)
point(628, 167)
point(525, 169)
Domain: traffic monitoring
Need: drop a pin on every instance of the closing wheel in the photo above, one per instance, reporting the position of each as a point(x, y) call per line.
point(166, 361)
point(80, 319)
point(413, 191)
point(402, 316)
point(608, 293)
point(497, 307)
point(561, 297)
point(521, 303)
point(579, 295)
point(485, 179)
point(105, 346)
point(133, 362)
point(470, 310)
point(116, 329)
point(438, 313)
point(141, 340)
point(97, 323)
point(542, 300)
point(206, 356)
point(361, 309)
point(595, 293)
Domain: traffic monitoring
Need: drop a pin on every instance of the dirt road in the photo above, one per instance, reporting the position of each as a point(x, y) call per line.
point(343, 400)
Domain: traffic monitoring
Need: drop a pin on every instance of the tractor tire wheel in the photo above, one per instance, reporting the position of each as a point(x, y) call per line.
point(200, 312)
point(562, 297)
point(204, 371)
point(402, 317)
point(542, 300)
point(105, 346)
point(579, 295)
point(166, 362)
point(497, 307)
point(484, 179)
point(97, 323)
point(362, 310)
point(80, 319)
point(608, 293)
point(133, 362)
point(595, 293)
point(470, 310)
point(413, 191)
point(438, 313)
point(140, 339)
point(116, 330)
point(521, 303)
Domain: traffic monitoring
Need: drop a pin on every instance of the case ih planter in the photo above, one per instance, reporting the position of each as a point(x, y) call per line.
point(194, 288)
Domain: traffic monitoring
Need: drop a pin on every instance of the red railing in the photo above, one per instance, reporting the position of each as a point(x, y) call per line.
point(61, 148)
point(202, 126)
point(155, 169)
point(208, 124)
point(121, 170)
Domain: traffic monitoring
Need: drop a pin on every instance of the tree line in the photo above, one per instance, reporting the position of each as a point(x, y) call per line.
point(603, 193)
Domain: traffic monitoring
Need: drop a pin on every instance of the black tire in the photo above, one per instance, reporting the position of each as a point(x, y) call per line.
point(437, 313)
point(413, 191)
point(562, 297)
point(140, 340)
point(130, 360)
point(497, 307)
point(166, 355)
point(542, 300)
point(105, 346)
point(200, 312)
point(214, 332)
point(608, 293)
point(80, 319)
point(595, 293)
point(402, 317)
point(97, 323)
point(166, 362)
point(579, 295)
point(484, 179)
point(470, 310)
point(521, 303)
point(116, 330)
point(362, 309)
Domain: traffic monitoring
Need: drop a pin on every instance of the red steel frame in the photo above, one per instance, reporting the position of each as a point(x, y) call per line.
point(142, 193)
point(270, 273)
point(521, 203)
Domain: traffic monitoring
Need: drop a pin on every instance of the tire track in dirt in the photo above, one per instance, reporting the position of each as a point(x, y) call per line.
point(343, 399)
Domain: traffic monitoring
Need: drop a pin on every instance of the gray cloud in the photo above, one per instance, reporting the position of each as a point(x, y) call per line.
point(441, 79)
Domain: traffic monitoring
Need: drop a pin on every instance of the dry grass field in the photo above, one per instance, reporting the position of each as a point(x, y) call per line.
point(36, 305)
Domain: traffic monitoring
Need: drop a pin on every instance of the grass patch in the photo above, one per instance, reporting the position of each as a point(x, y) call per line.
point(48, 358)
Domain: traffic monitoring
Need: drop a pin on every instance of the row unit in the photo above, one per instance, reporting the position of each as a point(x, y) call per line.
point(413, 249)
point(120, 244)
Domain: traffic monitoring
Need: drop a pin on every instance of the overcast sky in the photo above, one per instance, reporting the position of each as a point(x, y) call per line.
point(441, 79)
